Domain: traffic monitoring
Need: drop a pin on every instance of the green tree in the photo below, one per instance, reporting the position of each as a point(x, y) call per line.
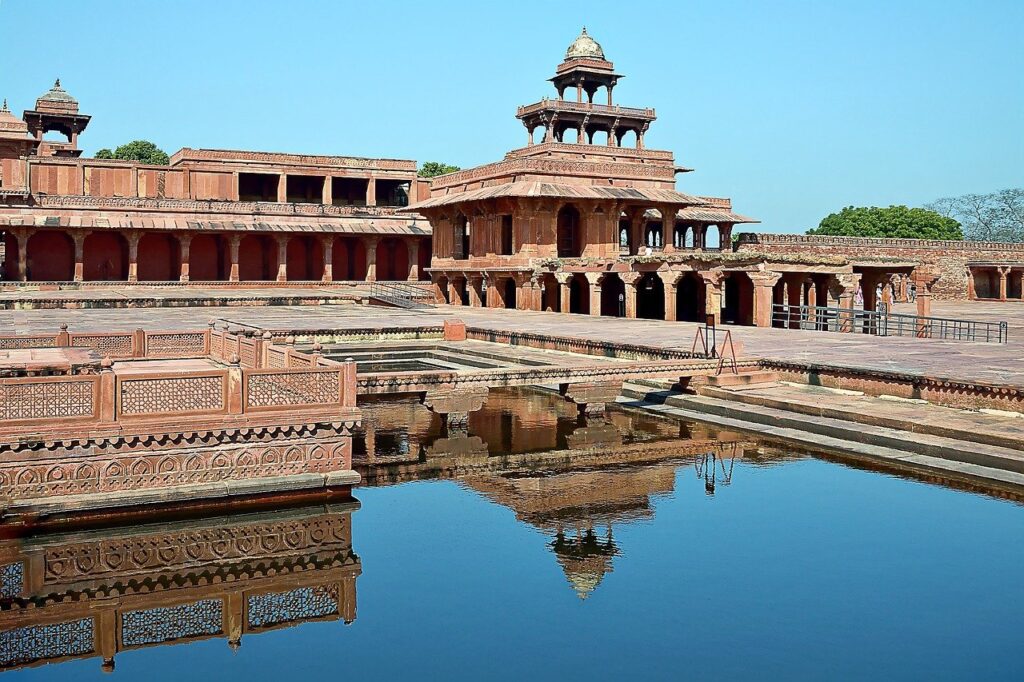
point(431, 169)
point(138, 150)
point(895, 222)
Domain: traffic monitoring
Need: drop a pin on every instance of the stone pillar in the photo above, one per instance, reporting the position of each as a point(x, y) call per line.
point(282, 257)
point(327, 248)
point(564, 292)
point(668, 228)
point(812, 303)
point(328, 194)
point(713, 293)
point(475, 284)
point(843, 287)
point(22, 236)
point(133, 255)
point(414, 260)
point(670, 280)
point(764, 285)
point(371, 192)
point(630, 279)
point(454, 298)
point(924, 277)
point(1003, 274)
point(594, 278)
point(492, 292)
point(282, 189)
point(79, 240)
point(725, 236)
point(699, 232)
point(371, 258)
point(636, 231)
point(184, 246)
point(233, 242)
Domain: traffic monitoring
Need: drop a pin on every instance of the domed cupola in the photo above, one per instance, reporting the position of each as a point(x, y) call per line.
point(585, 47)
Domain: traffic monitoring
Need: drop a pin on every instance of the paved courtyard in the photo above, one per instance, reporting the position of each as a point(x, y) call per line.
point(967, 361)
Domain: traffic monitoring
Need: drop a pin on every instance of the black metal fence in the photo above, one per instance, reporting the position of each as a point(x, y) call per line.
point(881, 322)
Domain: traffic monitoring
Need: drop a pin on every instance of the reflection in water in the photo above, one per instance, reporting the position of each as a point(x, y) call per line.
point(95, 593)
point(573, 478)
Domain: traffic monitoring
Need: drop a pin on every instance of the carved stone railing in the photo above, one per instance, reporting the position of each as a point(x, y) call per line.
point(750, 238)
point(584, 108)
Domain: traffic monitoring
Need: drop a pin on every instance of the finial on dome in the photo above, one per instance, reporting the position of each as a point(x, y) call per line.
point(4, 107)
point(56, 83)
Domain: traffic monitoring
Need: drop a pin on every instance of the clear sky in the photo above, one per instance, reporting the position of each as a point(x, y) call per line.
point(794, 109)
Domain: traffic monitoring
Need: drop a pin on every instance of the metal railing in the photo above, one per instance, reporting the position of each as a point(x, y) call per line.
point(401, 295)
point(881, 322)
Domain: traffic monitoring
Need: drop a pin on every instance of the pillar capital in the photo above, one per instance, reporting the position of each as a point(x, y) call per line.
point(594, 278)
point(764, 279)
point(563, 277)
point(712, 277)
point(670, 278)
point(630, 278)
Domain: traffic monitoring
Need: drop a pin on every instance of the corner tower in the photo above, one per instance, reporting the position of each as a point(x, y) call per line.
point(56, 111)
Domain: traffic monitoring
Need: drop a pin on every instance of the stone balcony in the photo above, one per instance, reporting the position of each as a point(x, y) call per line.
point(562, 105)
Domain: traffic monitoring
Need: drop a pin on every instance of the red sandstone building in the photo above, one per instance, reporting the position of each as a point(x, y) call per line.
point(586, 218)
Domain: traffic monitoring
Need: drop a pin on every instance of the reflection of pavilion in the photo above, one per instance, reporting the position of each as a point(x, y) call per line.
point(572, 479)
point(99, 592)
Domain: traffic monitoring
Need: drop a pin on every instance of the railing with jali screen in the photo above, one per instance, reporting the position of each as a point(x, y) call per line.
point(400, 294)
point(881, 322)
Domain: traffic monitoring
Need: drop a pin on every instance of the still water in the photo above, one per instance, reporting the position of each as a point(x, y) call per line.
point(536, 546)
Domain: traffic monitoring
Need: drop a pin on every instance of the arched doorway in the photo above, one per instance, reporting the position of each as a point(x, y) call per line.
point(158, 259)
point(207, 258)
point(257, 258)
point(50, 257)
point(349, 259)
point(650, 297)
point(569, 235)
point(613, 296)
point(579, 294)
point(551, 293)
point(509, 293)
point(305, 258)
point(392, 259)
point(690, 298)
point(105, 257)
point(739, 299)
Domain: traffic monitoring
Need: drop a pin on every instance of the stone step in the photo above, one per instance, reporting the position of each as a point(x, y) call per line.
point(884, 415)
point(927, 464)
point(755, 378)
point(928, 445)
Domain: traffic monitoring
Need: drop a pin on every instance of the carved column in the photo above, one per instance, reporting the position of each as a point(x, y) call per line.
point(1003, 274)
point(725, 236)
point(282, 189)
point(492, 292)
point(564, 291)
point(924, 277)
point(327, 248)
point(764, 285)
point(454, 297)
point(713, 293)
point(668, 228)
point(282, 257)
point(22, 236)
point(699, 233)
point(812, 302)
point(371, 258)
point(636, 231)
point(233, 242)
point(184, 254)
point(133, 255)
point(327, 197)
point(670, 280)
point(475, 285)
point(371, 192)
point(594, 278)
point(630, 279)
point(414, 260)
point(79, 240)
point(843, 288)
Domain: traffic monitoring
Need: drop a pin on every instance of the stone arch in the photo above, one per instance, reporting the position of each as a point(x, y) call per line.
point(569, 232)
point(579, 294)
point(348, 255)
point(50, 257)
point(712, 237)
point(158, 257)
point(392, 259)
point(650, 297)
point(305, 258)
point(105, 257)
point(257, 258)
point(508, 293)
point(207, 258)
point(690, 298)
point(613, 296)
point(680, 233)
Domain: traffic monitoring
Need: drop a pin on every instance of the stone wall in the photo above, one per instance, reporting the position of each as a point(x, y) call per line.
point(951, 257)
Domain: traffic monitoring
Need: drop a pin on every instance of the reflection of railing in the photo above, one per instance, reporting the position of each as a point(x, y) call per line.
point(881, 322)
point(400, 294)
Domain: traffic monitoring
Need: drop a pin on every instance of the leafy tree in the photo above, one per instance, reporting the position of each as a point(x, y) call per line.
point(431, 169)
point(138, 150)
point(897, 222)
point(994, 217)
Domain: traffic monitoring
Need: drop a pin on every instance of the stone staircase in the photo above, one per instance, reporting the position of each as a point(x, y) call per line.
point(973, 454)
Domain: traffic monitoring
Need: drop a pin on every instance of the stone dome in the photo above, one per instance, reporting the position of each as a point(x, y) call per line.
point(584, 46)
point(58, 94)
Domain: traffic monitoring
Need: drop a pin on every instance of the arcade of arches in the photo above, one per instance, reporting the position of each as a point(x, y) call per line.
point(58, 255)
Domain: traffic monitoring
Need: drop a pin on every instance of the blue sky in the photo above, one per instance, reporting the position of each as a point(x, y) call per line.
point(794, 109)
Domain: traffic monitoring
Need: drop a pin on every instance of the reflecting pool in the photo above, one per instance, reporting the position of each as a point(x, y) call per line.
point(533, 545)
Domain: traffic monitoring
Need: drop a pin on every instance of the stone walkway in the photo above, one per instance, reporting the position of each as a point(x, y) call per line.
point(1002, 364)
